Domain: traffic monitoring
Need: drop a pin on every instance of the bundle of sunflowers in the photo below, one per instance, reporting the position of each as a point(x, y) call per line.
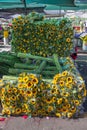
point(37, 36)
point(31, 95)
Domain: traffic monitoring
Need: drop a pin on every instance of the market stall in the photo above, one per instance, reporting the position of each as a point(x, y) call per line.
point(38, 76)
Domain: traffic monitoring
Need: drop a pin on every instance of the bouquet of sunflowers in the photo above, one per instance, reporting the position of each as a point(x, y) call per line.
point(31, 95)
point(37, 36)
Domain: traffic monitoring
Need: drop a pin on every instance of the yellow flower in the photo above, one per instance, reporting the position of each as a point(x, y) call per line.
point(73, 109)
point(35, 113)
point(68, 106)
point(50, 108)
point(32, 76)
point(69, 79)
point(15, 90)
point(64, 73)
point(25, 79)
point(68, 40)
point(79, 96)
point(48, 100)
point(18, 111)
point(69, 114)
point(64, 109)
point(20, 79)
point(9, 90)
point(13, 98)
point(53, 99)
point(29, 84)
point(24, 110)
point(14, 106)
point(7, 111)
point(76, 102)
point(59, 101)
point(35, 81)
point(3, 90)
point(34, 92)
point(29, 93)
point(61, 83)
point(66, 94)
point(54, 91)
point(22, 92)
point(58, 114)
point(25, 106)
point(8, 103)
point(20, 85)
point(33, 101)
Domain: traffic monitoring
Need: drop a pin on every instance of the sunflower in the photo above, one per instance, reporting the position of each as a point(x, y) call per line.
point(32, 76)
point(18, 110)
point(25, 106)
point(35, 81)
point(64, 110)
point(73, 109)
point(33, 101)
point(8, 103)
point(50, 108)
point(29, 93)
point(13, 98)
point(69, 86)
point(58, 114)
point(64, 73)
point(7, 111)
point(25, 79)
point(69, 114)
point(48, 100)
point(35, 113)
point(29, 84)
point(69, 79)
point(68, 106)
point(68, 40)
point(9, 90)
point(61, 83)
point(13, 106)
point(59, 101)
point(3, 96)
point(15, 90)
point(54, 87)
point(34, 92)
point(41, 29)
point(22, 92)
point(53, 99)
point(65, 94)
point(2, 90)
point(23, 110)
point(54, 91)
point(76, 102)
point(20, 85)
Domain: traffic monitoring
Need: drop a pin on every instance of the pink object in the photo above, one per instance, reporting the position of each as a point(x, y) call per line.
point(25, 117)
point(10, 24)
point(2, 119)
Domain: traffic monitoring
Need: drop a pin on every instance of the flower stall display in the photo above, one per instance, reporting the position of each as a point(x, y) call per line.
point(39, 78)
point(31, 95)
point(42, 37)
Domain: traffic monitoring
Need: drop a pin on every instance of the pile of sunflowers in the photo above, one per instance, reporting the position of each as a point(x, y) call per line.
point(43, 37)
point(33, 96)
